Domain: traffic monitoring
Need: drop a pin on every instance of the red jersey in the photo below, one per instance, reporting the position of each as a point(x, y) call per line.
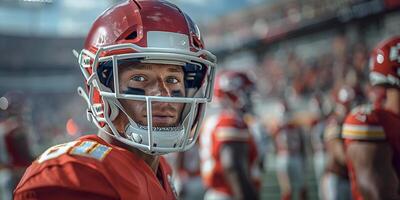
point(369, 123)
point(90, 168)
point(218, 130)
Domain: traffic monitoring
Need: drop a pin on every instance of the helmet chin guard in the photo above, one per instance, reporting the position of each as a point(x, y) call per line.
point(148, 138)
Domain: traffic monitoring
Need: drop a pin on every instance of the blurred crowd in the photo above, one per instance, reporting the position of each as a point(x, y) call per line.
point(345, 63)
point(274, 19)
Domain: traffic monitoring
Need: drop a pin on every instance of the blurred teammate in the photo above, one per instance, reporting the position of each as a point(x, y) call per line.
point(15, 147)
point(189, 183)
point(227, 149)
point(335, 181)
point(317, 128)
point(260, 135)
point(290, 157)
point(148, 79)
point(371, 132)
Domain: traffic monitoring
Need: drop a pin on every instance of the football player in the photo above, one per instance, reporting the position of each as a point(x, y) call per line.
point(227, 149)
point(290, 156)
point(335, 180)
point(316, 129)
point(371, 132)
point(189, 181)
point(259, 132)
point(148, 78)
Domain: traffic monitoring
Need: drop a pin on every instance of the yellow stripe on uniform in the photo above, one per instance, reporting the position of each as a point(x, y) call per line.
point(363, 132)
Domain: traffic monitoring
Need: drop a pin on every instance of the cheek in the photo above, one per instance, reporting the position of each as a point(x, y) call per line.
point(183, 90)
point(134, 109)
point(179, 107)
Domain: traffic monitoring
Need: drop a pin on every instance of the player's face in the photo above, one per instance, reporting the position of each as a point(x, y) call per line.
point(153, 80)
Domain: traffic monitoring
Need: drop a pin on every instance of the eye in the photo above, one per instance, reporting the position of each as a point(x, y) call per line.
point(173, 80)
point(139, 78)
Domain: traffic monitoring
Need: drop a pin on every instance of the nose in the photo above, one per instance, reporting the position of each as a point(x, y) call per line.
point(160, 88)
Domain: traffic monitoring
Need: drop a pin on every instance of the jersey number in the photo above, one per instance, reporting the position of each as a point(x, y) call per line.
point(87, 148)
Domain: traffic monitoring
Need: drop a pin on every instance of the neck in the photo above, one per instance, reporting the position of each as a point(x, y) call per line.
point(392, 102)
point(151, 160)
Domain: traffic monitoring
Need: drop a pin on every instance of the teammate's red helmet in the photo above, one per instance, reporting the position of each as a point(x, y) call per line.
point(146, 31)
point(385, 63)
point(234, 87)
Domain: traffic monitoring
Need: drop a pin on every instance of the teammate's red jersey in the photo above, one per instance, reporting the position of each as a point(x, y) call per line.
point(373, 124)
point(218, 130)
point(90, 168)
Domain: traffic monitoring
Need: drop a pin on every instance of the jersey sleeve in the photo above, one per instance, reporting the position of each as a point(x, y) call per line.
point(363, 124)
point(67, 181)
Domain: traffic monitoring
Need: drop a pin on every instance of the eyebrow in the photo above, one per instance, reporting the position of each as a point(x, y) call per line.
point(149, 67)
point(142, 67)
point(175, 69)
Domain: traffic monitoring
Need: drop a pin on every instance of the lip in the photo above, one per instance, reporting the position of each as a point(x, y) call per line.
point(156, 113)
point(162, 120)
point(157, 117)
point(164, 115)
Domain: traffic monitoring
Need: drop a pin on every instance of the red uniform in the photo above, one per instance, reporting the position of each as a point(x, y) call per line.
point(90, 168)
point(368, 123)
point(219, 130)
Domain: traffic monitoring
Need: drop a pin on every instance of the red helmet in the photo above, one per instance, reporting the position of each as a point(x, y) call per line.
point(234, 88)
point(146, 31)
point(385, 63)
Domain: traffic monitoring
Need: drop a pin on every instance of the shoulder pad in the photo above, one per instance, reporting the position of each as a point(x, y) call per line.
point(90, 149)
point(363, 124)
